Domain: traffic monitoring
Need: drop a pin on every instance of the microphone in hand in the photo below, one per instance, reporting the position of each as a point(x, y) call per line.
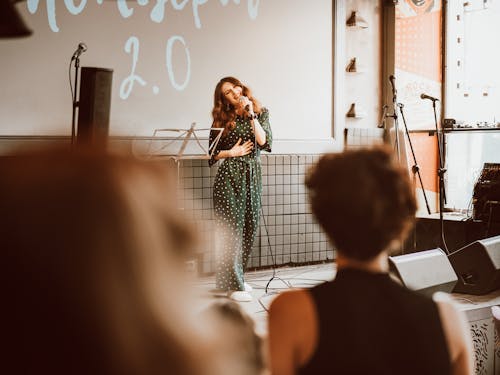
point(82, 47)
point(425, 96)
point(246, 104)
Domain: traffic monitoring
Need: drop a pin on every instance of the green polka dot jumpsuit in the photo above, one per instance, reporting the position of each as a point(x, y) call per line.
point(237, 194)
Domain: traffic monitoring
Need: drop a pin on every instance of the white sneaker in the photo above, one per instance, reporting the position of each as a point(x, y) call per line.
point(239, 296)
point(248, 287)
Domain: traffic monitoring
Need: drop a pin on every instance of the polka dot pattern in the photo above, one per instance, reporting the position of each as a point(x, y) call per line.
point(237, 199)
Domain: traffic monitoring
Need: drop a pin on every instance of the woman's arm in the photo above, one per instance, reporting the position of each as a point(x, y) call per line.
point(260, 134)
point(292, 332)
point(263, 120)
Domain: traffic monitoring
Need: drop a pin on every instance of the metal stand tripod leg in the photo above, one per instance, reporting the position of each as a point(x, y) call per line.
point(415, 169)
point(441, 172)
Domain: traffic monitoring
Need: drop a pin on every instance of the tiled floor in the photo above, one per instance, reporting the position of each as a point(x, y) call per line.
point(284, 279)
point(305, 277)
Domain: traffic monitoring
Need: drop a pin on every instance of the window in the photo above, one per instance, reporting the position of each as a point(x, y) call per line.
point(473, 62)
point(472, 94)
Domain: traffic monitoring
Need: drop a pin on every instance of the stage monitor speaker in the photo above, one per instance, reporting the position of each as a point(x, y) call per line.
point(477, 266)
point(94, 106)
point(427, 271)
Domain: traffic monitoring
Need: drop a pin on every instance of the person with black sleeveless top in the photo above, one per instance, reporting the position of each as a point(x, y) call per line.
point(364, 322)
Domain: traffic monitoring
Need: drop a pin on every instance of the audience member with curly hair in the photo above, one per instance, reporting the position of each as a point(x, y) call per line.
point(363, 322)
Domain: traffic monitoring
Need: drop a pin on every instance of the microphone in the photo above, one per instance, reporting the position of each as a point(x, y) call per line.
point(425, 96)
point(243, 100)
point(82, 47)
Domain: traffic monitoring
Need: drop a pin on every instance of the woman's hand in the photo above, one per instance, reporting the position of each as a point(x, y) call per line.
point(241, 149)
point(247, 104)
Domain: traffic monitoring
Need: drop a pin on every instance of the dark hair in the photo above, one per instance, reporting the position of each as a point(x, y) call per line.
point(362, 199)
point(223, 113)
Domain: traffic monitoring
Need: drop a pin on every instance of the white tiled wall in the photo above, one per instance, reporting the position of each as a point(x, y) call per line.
point(288, 233)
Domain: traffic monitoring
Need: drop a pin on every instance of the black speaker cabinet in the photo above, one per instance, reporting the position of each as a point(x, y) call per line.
point(477, 266)
point(94, 106)
point(427, 271)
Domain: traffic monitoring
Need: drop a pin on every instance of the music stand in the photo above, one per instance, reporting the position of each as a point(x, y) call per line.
point(183, 143)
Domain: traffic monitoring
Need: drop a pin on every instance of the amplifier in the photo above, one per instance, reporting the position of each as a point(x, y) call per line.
point(486, 196)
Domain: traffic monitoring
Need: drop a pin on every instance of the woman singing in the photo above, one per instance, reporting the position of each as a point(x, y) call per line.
point(238, 184)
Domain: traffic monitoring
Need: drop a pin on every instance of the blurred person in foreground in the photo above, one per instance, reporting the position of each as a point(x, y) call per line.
point(363, 322)
point(247, 342)
point(93, 249)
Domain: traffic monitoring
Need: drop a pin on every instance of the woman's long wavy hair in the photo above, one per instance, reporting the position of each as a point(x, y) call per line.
point(224, 113)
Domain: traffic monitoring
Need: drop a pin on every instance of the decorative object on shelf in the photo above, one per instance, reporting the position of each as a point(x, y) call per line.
point(352, 66)
point(352, 111)
point(356, 21)
point(355, 112)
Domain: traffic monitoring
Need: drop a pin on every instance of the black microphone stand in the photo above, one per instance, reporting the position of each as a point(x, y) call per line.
point(415, 169)
point(441, 172)
point(75, 102)
point(394, 115)
point(274, 275)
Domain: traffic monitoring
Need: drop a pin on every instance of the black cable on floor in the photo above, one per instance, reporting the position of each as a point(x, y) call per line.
point(274, 276)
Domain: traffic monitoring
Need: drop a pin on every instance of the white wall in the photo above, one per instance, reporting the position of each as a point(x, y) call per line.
point(281, 48)
point(363, 87)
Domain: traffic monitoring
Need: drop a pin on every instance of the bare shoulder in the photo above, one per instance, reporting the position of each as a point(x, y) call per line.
point(293, 307)
point(293, 327)
point(291, 299)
